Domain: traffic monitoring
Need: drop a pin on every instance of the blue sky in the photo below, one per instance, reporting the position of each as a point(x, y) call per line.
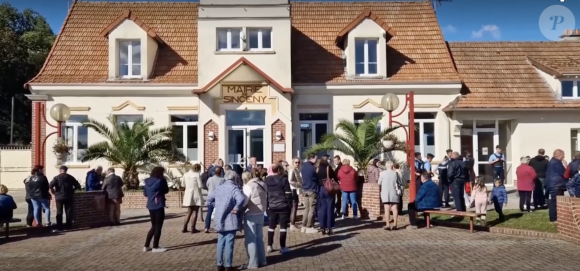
point(460, 20)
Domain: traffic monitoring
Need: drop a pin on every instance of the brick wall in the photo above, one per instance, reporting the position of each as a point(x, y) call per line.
point(136, 200)
point(37, 136)
point(278, 125)
point(89, 209)
point(211, 148)
point(569, 218)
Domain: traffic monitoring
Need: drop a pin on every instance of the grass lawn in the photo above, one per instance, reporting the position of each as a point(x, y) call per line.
point(534, 221)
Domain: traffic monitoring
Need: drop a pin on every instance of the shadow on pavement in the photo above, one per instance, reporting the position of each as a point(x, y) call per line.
point(308, 251)
point(202, 243)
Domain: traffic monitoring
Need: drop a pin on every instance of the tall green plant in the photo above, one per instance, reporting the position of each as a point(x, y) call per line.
point(363, 142)
point(132, 147)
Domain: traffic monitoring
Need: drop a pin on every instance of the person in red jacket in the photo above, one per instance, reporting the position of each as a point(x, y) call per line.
point(347, 177)
point(526, 176)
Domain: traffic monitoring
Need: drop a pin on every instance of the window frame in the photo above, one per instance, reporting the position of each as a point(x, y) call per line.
point(260, 39)
point(184, 125)
point(313, 123)
point(130, 123)
point(575, 89)
point(421, 133)
point(365, 61)
point(75, 135)
point(229, 39)
point(130, 59)
point(368, 115)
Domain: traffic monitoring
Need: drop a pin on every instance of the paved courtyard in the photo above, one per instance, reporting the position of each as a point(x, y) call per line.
point(360, 245)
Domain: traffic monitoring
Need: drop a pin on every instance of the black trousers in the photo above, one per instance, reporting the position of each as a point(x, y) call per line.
point(67, 205)
point(552, 205)
point(444, 192)
point(458, 190)
point(157, 218)
point(338, 203)
point(498, 206)
point(539, 192)
point(412, 210)
point(525, 199)
point(30, 214)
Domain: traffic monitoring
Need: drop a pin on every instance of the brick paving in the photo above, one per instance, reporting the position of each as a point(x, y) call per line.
point(360, 245)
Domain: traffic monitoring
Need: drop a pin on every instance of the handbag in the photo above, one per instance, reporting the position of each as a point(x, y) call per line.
point(330, 185)
point(399, 186)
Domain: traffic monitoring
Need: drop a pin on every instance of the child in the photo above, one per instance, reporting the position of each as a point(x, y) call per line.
point(479, 197)
point(573, 185)
point(499, 198)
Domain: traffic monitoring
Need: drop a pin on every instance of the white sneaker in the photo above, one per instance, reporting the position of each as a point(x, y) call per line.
point(145, 249)
point(311, 230)
point(303, 230)
point(159, 249)
point(343, 217)
point(269, 249)
point(284, 250)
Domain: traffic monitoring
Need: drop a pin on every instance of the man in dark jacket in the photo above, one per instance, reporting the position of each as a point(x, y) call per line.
point(93, 181)
point(338, 197)
point(572, 167)
point(113, 187)
point(38, 191)
point(555, 182)
point(428, 198)
point(540, 165)
point(279, 206)
point(63, 187)
point(310, 184)
point(456, 177)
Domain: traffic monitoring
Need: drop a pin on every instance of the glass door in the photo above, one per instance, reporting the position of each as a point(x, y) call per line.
point(243, 143)
point(485, 142)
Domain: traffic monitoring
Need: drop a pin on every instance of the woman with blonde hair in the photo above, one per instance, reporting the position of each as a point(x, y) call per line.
point(256, 203)
point(192, 197)
point(295, 179)
point(7, 204)
point(391, 192)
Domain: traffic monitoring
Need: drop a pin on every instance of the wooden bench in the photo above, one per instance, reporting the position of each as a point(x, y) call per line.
point(427, 214)
point(7, 225)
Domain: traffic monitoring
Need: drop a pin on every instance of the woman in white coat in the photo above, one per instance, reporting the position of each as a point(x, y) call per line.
point(192, 197)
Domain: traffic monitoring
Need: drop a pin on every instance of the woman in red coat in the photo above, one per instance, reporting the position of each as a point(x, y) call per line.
point(525, 176)
point(347, 177)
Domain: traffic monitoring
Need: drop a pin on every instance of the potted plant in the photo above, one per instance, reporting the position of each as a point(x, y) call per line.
point(61, 150)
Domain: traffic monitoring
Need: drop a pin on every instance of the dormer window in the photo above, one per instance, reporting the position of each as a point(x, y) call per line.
point(259, 39)
point(130, 59)
point(229, 39)
point(366, 57)
point(570, 89)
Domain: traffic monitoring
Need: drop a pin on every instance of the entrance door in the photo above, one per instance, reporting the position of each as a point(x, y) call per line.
point(243, 143)
point(485, 141)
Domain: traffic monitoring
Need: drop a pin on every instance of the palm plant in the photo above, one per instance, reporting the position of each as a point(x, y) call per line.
point(132, 147)
point(363, 142)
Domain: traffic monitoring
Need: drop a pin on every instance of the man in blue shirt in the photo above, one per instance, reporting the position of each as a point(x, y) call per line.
point(497, 160)
point(427, 164)
point(310, 185)
point(428, 198)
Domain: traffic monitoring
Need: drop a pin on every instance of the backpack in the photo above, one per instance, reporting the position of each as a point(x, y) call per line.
point(204, 176)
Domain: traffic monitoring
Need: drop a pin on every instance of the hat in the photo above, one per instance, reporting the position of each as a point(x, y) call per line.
point(63, 168)
point(417, 153)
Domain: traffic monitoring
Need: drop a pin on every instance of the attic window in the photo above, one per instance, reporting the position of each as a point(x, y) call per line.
point(130, 59)
point(570, 89)
point(366, 57)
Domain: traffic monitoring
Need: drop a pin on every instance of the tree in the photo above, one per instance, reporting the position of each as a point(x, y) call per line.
point(436, 3)
point(132, 147)
point(363, 142)
point(25, 40)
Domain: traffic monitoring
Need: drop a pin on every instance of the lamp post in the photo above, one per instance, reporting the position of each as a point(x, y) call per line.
point(60, 113)
point(390, 102)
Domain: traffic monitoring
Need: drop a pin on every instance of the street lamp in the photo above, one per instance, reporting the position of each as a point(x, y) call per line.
point(60, 113)
point(390, 102)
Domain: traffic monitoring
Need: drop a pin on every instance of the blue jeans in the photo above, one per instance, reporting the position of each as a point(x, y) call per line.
point(208, 216)
point(552, 207)
point(346, 196)
point(254, 240)
point(498, 173)
point(225, 242)
point(37, 204)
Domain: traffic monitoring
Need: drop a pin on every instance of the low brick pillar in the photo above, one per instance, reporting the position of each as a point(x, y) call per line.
point(371, 201)
point(89, 209)
point(569, 218)
point(136, 200)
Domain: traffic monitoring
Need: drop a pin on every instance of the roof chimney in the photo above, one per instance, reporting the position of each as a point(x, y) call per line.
point(571, 34)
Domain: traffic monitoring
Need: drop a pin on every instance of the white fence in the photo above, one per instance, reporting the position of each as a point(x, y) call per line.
point(15, 165)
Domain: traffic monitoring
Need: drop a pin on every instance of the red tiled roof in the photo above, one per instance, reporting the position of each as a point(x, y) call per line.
point(366, 13)
point(127, 15)
point(416, 53)
point(502, 74)
point(80, 53)
point(231, 68)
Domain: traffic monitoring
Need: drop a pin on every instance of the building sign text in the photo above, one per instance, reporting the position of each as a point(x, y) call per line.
point(243, 94)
